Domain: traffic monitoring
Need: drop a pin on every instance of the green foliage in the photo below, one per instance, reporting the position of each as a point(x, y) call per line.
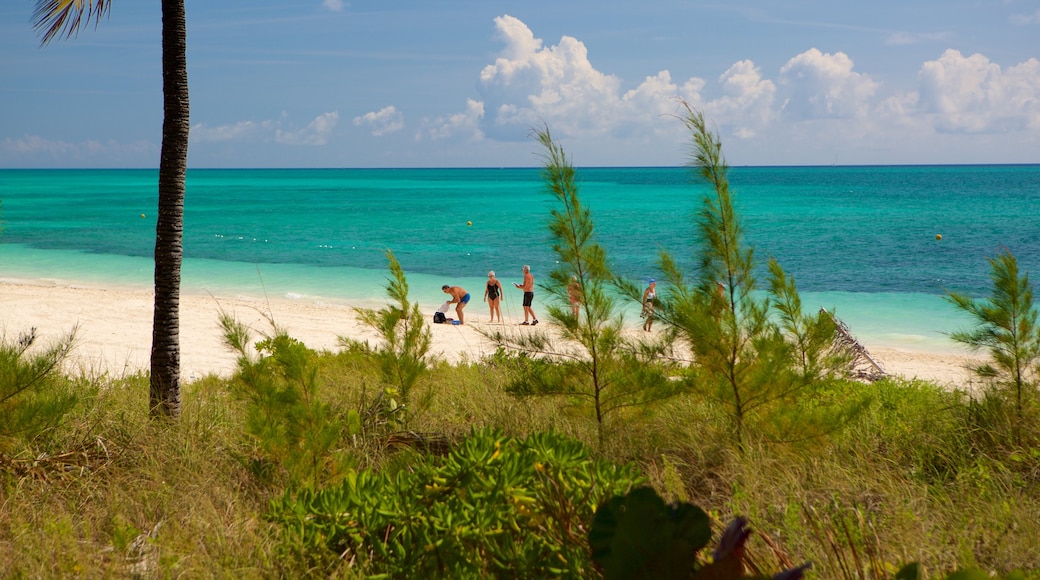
point(294, 431)
point(406, 342)
point(595, 365)
point(817, 357)
point(639, 536)
point(920, 429)
point(754, 362)
point(494, 506)
point(34, 395)
point(913, 571)
point(1006, 327)
point(906, 465)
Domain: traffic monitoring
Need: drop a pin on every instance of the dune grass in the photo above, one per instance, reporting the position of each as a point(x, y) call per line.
point(111, 492)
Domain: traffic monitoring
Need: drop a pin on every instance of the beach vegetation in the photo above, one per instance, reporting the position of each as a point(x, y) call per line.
point(64, 18)
point(401, 355)
point(295, 434)
point(901, 482)
point(756, 356)
point(1006, 328)
point(593, 363)
point(35, 395)
point(493, 506)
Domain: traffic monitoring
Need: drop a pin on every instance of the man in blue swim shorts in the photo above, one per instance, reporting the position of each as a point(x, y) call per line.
point(459, 297)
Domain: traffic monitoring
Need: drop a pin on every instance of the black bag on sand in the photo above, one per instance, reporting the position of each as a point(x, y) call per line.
point(438, 318)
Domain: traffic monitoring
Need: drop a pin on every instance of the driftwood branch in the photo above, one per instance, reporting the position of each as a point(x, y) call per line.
point(863, 365)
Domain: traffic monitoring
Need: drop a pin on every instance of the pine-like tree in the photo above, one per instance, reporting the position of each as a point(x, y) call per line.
point(756, 355)
point(594, 362)
point(1006, 327)
point(406, 338)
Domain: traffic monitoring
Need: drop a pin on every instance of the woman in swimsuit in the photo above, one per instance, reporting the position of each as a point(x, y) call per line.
point(493, 296)
point(649, 295)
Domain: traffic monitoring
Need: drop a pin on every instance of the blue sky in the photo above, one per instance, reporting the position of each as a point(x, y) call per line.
point(460, 83)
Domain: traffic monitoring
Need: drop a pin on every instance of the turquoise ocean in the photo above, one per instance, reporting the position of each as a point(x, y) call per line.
point(861, 241)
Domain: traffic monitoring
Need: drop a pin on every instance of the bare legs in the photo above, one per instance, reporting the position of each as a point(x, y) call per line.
point(496, 308)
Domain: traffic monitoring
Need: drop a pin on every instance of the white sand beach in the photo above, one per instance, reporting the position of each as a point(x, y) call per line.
point(114, 330)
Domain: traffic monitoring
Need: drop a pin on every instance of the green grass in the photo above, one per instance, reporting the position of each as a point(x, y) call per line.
point(110, 492)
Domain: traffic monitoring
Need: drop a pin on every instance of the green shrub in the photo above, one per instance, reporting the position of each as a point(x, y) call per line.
point(1006, 327)
point(919, 429)
point(34, 395)
point(402, 356)
point(639, 536)
point(494, 506)
point(296, 434)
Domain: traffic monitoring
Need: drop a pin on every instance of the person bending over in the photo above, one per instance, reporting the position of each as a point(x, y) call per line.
point(459, 297)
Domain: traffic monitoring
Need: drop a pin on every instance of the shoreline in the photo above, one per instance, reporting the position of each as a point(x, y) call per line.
point(114, 330)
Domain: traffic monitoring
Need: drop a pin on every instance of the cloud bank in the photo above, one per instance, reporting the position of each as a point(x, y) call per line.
point(530, 83)
point(381, 122)
point(814, 105)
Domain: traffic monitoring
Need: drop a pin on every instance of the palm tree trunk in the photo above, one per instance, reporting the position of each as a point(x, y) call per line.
point(165, 385)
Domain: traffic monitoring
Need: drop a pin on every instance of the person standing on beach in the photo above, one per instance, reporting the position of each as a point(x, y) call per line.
point(528, 288)
point(493, 296)
point(649, 295)
point(459, 297)
point(574, 295)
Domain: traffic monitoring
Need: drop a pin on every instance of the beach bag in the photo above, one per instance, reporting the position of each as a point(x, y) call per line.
point(438, 317)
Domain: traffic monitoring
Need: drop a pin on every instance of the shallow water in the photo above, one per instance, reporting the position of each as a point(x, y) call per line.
point(861, 241)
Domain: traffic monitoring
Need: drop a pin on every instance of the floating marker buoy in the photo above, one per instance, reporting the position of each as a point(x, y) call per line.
point(142, 215)
point(938, 236)
point(469, 223)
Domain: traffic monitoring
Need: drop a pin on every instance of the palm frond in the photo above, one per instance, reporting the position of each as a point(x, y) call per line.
point(63, 18)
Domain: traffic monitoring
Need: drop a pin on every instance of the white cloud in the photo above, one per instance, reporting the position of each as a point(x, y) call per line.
point(530, 83)
point(902, 38)
point(381, 122)
point(824, 86)
point(200, 132)
point(315, 133)
point(747, 103)
point(973, 95)
point(334, 5)
point(815, 105)
point(34, 146)
point(465, 125)
point(1026, 19)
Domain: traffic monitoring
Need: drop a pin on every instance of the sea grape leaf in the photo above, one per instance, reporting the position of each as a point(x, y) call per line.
point(639, 536)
